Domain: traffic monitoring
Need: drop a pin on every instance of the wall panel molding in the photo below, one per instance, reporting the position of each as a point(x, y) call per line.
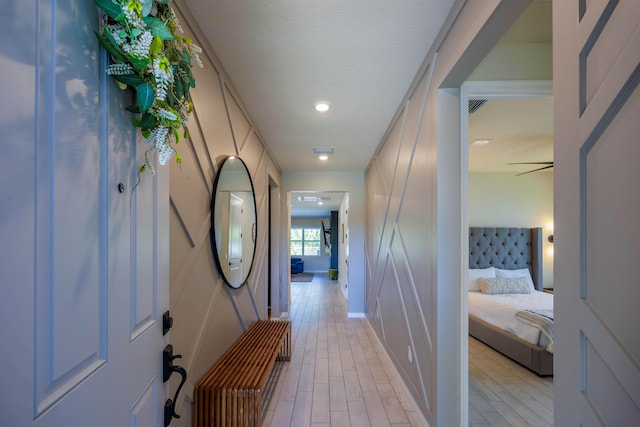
point(208, 315)
point(397, 305)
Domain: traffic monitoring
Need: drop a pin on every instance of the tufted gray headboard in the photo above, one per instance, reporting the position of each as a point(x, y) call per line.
point(507, 248)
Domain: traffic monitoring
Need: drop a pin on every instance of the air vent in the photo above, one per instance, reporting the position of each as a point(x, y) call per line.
point(475, 104)
point(314, 199)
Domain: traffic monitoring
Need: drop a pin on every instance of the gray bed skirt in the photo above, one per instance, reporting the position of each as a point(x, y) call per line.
point(529, 355)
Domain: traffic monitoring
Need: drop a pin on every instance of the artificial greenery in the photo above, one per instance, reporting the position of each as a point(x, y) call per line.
point(148, 55)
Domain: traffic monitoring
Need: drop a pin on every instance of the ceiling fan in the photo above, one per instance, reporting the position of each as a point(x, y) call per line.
point(547, 165)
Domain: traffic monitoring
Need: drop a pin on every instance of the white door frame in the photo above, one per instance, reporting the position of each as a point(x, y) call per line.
point(513, 89)
point(275, 247)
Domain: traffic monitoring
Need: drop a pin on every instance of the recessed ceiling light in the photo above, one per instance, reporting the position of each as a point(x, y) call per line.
point(322, 107)
point(477, 143)
point(322, 153)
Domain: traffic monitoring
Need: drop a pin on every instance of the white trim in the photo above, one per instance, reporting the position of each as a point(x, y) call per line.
point(343, 289)
point(356, 316)
point(514, 89)
point(274, 237)
point(507, 89)
point(412, 401)
point(463, 305)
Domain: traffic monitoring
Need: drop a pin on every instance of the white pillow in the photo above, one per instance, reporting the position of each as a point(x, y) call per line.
point(480, 273)
point(503, 285)
point(522, 272)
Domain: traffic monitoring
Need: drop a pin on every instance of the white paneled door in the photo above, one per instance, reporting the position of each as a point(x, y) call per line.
point(84, 262)
point(597, 173)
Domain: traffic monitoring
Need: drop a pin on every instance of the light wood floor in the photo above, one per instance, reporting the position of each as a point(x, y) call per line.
point(340, 375)
point(503, 393)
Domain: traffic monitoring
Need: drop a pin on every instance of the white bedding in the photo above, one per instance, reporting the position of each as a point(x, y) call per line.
point(500, 311)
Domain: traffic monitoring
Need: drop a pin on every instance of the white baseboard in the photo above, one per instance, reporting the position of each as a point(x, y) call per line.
point(418, 411)
point(356, 315)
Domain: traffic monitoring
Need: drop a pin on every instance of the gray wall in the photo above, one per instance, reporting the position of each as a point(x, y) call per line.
point(401, 252)
point(208, 315)
point(415, 215)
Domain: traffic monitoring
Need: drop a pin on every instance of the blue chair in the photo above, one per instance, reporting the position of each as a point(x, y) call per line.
point(297, 265)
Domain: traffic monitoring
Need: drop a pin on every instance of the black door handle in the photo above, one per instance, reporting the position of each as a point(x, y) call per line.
point(167, 369)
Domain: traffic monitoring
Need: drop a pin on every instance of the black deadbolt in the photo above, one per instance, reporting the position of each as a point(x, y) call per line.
point(167, 322)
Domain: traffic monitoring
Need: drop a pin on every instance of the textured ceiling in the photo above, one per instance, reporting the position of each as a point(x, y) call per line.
point(361, 57)
point(283, 56)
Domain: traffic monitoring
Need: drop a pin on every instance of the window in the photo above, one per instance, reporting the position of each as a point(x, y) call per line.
point(305, 241)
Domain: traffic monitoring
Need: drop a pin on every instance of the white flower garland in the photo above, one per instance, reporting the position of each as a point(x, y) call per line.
point(149, 56)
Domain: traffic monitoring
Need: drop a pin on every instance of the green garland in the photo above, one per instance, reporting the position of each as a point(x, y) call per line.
point(148, 55)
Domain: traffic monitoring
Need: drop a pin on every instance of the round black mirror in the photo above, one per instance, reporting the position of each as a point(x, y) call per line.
point(233, 222)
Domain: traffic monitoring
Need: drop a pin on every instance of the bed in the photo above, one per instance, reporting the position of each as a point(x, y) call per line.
point(509, 251)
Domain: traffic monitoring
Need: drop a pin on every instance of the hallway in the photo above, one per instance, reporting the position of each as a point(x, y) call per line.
point(339, 374)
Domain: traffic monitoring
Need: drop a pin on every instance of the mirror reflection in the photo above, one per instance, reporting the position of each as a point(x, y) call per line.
point(233, 222)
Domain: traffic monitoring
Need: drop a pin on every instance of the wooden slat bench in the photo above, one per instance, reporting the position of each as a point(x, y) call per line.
point(231, 393)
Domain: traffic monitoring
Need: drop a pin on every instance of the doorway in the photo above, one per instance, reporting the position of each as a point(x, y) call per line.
point(506, 123)
point(275, 273)
point(352, 183)
point(317, 224)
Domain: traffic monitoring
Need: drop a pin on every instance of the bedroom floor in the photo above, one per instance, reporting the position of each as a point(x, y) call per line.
point(503, 393)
